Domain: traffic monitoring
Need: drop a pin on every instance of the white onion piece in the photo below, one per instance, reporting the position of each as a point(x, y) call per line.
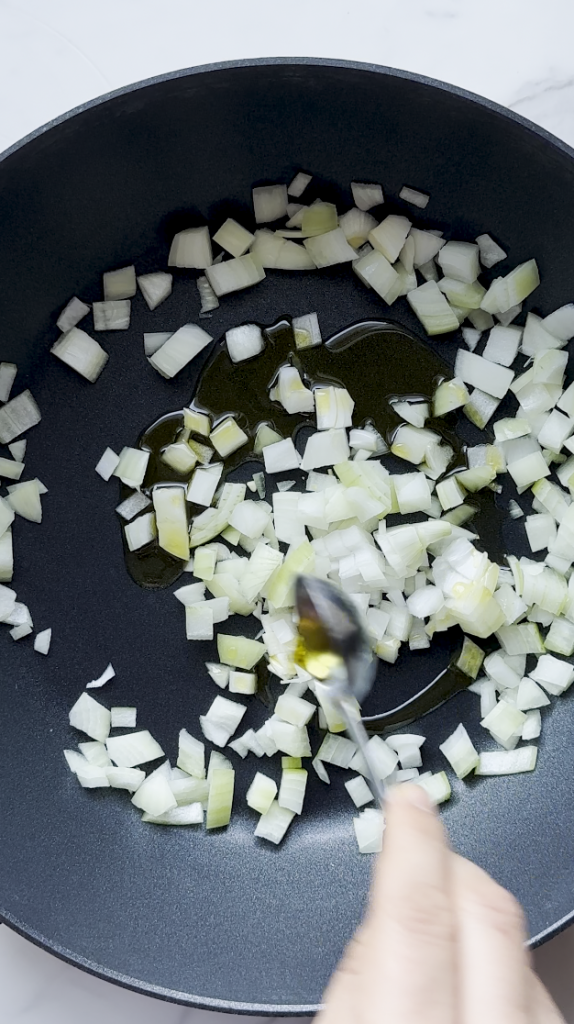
point(24, 499)
point(154, 796)
point(7, 602)
point(560, 323)
point(460, 752)
point(334, 407)
point(337, 750)
point(369, 828)
point(330, 248)
point(133, 505)
point(220, 800)
point(298, 185)
point(274, 824)
point(532, 726)
point(225, 715)
point(82, 353)
point(269, 203)
point(204, 484)
point(530, 695)
point(389, 237)
point(125, 778)
point(325, 448)
point(132, 749)
point(8, 373)
point(119, 284)
point(191, 755)
point(376, 272)
point(123, 718)
point(42, 641)
point(132, 466)
point(191, 248)
point(141, 531)
point(365, 196)
point(17, 416)
point(554, 675)
point(292, 789)
point(244, 342)
point(507, 762)
point(291, 392)
point(294, 710)
point(261, 793)
point(502, 345)
point(307, 331)
point(437, 787)
point(411, 195)
point(179, 350)
point(96, 753)
point(11, 469)
point(432, 309)
point(113, 315)
point(504, 722)
point(91, 717)
point(90, 776)
point(154, 341)
point(107, 464)
point(234, 238)
point(242, 682)
point(228, 437)
point(155, 289)
point(480, 373)
point(71, 315)
point(489, 251)
point(19, 632)
point(105, 677)
point(356, 225)
point(359, 791)
point(281, 457)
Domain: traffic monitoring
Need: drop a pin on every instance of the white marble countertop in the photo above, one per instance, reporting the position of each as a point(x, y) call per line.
point(58, 54)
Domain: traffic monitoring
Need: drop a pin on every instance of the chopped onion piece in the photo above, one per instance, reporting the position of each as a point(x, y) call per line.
point(190, 814)
point(337, 750)
point(530, 695)
point(334, 407)
point(125, 778)
point(330, 248)
point(560, 323)
point(90, 776)
point(132, 466)
point(133, 505)
point(365, 196)
point(235, 274)
point(325, 448)
point(307, 331)
point(554, 675)
point(11, 469)
point(113, 315)
point(171, 517)
point(124, 718)
point(532, 726)
point(82, 353)
point(105, 677)
point(432, 309)
point(369, 828)
point(292, 789)
point(119, 284)
point(220, 800)
point(8, 373)
point(91, 717)
point(96, 753)
point(481, 373)
point(489, 251)
point(507, 762)
point(71, 315)
point(281, 456)
point(411, 195)
point(42, 641)
point(107, 464)
point(376, 272)
point(359, 791)
point(261, 793)
point(191, 755)
point(504, 722)
point(294, 709)
point(356, 225)
point(17, 416)
point(502, 345)
point(269, 203)
point(24, 499)
point(141, 531)
point(459, 260)
point(291, 392)
point(389, 237)
point(154, 341)
point(19, 632)
point(155, 288)
point(242, 682)
point(191, 248)
point(296, 188)
point(204, 484)
point(154, 796)
point(228, 437)
point(480, 408)
point(451, 394)
point(460, 752)
point(274, 824)
point(234, 238)
point(132, 749)
point(179, 349)
point(244, 342)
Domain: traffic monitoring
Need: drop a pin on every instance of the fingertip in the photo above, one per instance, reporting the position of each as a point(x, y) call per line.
point(410, 795)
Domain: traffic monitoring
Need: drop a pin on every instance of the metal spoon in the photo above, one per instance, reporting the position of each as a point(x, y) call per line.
point(329, 625)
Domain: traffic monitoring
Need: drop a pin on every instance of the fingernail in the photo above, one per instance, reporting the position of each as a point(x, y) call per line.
point(410, 793)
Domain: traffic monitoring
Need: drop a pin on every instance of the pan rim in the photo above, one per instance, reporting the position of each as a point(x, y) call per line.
point(505, 113)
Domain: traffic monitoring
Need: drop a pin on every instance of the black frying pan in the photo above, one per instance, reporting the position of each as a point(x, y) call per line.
point(219, 920)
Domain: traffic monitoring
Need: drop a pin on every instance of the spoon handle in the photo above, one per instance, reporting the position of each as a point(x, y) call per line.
point(358, 734)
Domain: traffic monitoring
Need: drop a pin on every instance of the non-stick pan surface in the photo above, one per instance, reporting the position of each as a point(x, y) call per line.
point(220, 920)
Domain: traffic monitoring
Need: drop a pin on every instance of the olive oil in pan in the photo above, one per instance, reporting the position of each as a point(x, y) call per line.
point(375, 361)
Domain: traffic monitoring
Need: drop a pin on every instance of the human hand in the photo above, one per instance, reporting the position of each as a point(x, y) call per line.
point(441, 943)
